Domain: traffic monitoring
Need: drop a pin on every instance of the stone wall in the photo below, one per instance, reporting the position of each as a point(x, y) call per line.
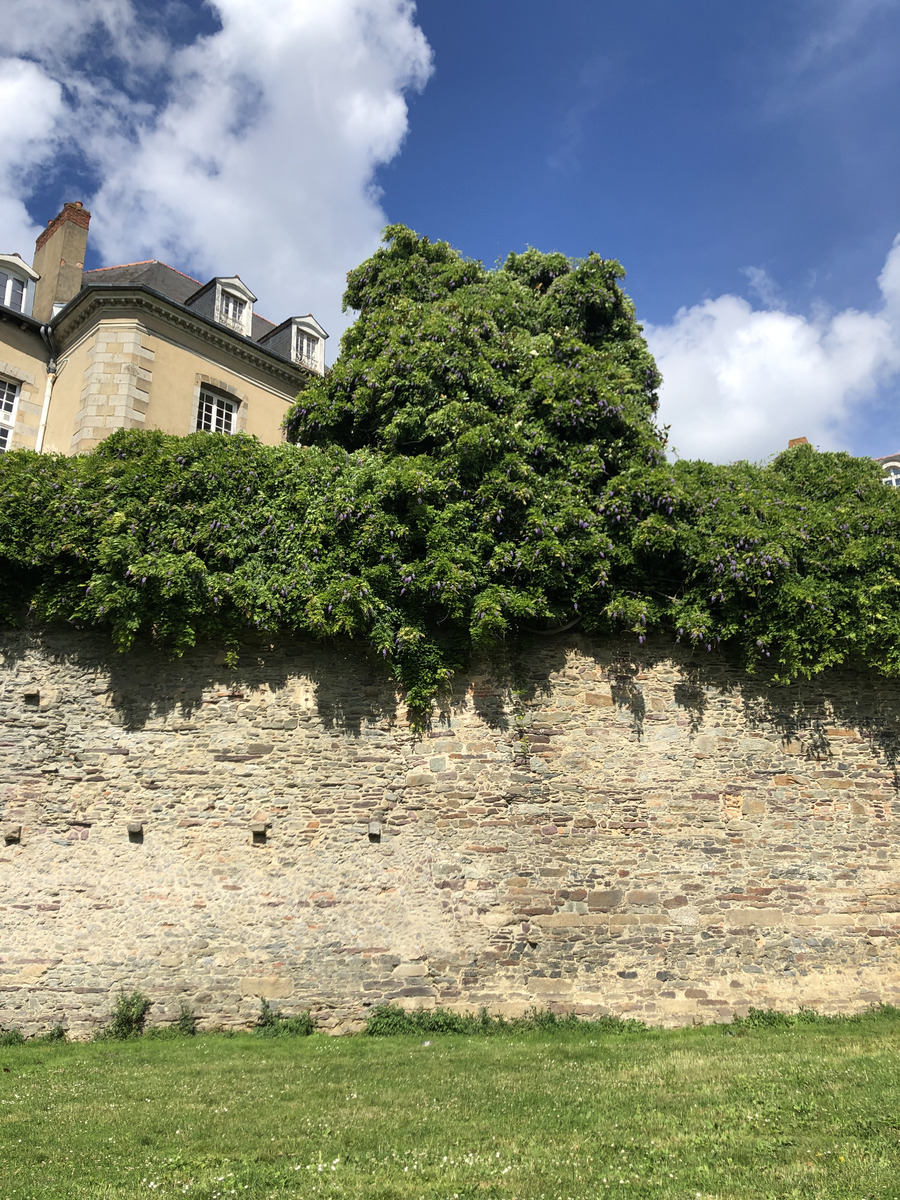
point(581, 829)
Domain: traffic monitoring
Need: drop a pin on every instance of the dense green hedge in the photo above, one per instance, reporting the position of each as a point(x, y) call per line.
point(483, 459)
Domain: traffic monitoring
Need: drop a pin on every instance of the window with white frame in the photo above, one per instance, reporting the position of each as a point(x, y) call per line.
point(307, 349)
point(9, 394)
point(231, 310)
point(891, 474)
point(12, 292)
point(215, 413)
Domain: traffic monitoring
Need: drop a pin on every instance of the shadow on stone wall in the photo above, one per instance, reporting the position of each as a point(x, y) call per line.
point(800, 713)
point(352, 688)
point(146, 684)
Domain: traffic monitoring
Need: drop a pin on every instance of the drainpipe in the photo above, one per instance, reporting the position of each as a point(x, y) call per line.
point(48, 391)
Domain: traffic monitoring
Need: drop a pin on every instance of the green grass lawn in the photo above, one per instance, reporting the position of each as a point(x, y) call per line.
point(806, 1111)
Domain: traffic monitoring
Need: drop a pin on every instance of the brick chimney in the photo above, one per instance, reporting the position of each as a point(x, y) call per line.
point(797, 442)
point(59, 259)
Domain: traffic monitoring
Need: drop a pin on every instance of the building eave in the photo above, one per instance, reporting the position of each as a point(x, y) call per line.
point(98, 300)
point(10, 316)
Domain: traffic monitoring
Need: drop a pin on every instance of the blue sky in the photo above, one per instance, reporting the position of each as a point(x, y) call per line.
point(741, 161)
point(689, 138)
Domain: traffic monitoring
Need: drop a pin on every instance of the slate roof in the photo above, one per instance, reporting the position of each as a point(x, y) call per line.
point(172, 284)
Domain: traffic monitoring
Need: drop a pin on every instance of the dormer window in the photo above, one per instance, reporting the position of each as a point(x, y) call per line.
point(299, 339)
point(12, 291)
point(234, 305)
point(306, 350)
point(228, 301)
point(306, 345)
point(17, 282)
point(231, 310)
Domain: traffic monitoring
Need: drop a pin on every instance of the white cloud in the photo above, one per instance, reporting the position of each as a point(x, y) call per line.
point(30, 107)
point(763, 286)
point(836, 24)
point(738, 382)
point(250, 150)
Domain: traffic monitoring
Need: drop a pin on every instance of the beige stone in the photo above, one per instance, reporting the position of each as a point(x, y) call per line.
point(269, 987)
point(749, 916)
point(611, 877)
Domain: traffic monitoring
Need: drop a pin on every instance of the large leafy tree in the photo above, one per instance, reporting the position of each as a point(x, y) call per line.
point(500, 405)
point(482, 460)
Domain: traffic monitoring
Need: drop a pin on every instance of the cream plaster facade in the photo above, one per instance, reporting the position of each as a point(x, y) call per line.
point(23, 364)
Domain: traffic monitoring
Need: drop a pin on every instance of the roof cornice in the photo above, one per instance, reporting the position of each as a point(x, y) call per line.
point(97, 300)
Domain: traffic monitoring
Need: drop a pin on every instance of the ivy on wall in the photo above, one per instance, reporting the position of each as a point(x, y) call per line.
point(482, 459)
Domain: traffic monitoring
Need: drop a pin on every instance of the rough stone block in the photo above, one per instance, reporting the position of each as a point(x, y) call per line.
point(752, 916)
point(269, 987)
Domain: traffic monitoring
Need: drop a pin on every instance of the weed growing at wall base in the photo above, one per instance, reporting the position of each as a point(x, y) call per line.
point(271, 1023)
point(128, 1017)
point(388, 1020)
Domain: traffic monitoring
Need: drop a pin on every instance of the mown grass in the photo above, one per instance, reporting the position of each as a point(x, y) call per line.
point(806, 1110)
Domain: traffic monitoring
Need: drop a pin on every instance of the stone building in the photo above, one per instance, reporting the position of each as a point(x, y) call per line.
point(139, 346)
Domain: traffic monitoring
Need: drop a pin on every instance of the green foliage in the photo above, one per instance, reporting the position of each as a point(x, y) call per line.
point(184, 1025)
point(792, 567)
point(186, 1022)
point(481, 462)
point(54, 1035)
point(771, 1018)
point(15, 1037)
point(128, 1017)
point(388, 1020)
point(499, 404)
point(271, 1023)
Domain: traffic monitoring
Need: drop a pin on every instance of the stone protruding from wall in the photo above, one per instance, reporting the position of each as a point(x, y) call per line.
point(59, 259)
point(582, 829)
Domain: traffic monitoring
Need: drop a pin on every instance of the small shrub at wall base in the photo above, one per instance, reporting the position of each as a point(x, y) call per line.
point(15, 1037)
point(271, 1023)
point(56, 1033)
point(186, 1023)
point(128, 1017)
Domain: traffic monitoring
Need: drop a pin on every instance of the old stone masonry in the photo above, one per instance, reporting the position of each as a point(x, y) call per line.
point(586, 827)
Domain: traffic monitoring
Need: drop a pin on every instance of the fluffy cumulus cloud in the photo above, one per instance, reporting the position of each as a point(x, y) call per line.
point(247, 145)
point(739, 382)
point(31, 104)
